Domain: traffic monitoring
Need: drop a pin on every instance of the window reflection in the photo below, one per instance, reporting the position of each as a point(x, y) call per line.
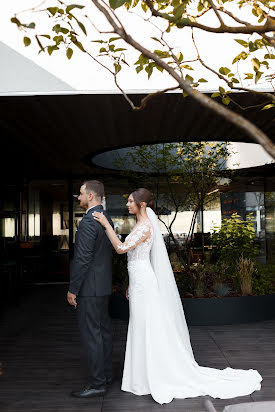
point(60, 224)
point(34, 224)
point(8, 229)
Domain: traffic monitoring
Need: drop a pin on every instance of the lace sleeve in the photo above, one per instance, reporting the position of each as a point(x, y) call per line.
point(137, 236)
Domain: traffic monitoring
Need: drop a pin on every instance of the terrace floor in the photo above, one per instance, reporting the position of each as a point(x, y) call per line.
point(40, 359)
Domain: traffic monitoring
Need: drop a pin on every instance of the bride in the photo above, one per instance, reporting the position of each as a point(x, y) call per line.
point(159, 359)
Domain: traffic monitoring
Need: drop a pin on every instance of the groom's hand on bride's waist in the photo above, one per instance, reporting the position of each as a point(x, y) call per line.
point(71, 298)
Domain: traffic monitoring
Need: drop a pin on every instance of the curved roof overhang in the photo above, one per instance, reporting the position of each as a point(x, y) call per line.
point(55, 135)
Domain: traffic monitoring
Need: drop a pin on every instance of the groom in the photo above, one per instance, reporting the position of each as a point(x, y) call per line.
point(89, 291)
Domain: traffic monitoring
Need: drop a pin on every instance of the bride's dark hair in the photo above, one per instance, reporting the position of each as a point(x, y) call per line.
point(143, 195)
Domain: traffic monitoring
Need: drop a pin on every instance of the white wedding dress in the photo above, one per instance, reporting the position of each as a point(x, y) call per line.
point(159, 359)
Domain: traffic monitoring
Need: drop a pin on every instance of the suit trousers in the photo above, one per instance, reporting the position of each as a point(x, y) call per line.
point(96, 337)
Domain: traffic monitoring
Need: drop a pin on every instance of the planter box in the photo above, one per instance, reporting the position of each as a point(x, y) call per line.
point(212, 311)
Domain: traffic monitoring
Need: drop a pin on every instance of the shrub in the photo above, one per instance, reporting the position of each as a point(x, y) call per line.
point(263, 283)
point(245, 269)
point(221, 289)
point(234, 239)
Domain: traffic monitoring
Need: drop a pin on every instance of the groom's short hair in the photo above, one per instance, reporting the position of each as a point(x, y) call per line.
point(94, 186)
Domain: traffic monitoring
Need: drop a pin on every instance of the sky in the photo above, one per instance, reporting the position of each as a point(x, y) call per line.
point(82, 73)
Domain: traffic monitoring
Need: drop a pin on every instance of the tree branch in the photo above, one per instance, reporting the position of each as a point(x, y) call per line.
point(237, 19)
point(186, 22)
point(217, 13)
point(228, 82)
point(251, 130)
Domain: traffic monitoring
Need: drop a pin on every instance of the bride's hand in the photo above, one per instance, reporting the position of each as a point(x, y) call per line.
point(101, 218)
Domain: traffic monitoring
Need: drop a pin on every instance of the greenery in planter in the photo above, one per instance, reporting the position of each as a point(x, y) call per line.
point(221, 279)
point(245, 269)
point(234, 239)
point(263, 282)
point(206, 280)
point(221, 289)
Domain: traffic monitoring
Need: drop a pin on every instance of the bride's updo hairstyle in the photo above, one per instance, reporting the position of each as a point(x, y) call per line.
point(143, 195)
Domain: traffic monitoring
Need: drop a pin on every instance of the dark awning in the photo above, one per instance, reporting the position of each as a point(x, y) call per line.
point(55, 136)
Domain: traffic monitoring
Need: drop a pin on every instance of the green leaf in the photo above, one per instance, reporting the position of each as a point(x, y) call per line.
point(64, 30)
point(119, 49)
point(249, 76)
point(261, 18)
point(98, 41)
point(265, 64)
point(255, 64)
point(115, 4)
point(159, 68)
point(185, 94)
point(186, 66)
point(242, 42)
point(149, 69)
point(81, 25)
point(189, 78)
point(56, 28)
point(124, 61)
point(180, 58)
point(69, 53)
point(111, 39)
point(254, 11)
point(52, 48)
point(79, 45)
point(58, 39)
point(45, 35)
point(156, 39)
point(27, 41)
point(74, 6)
point(117, 67)
point(30, 26)
point(128, 4)
point(102, 50)
point(268, 106)
point(52, 10)
point(162, 54)
point(144, 7)
point(258, 76)
point(139, 68)
point(252, 46)
point(269, 56)
point(214, 95)
point(224, 70)
point(241, 56)
point(178, 11)
point(16, 21)
point(200, 7)
point(234, 80)
point(142, 60)
point(221, 89)
point(202, 80)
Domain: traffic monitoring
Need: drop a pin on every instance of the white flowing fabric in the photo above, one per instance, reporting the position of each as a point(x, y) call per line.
point(159, 359)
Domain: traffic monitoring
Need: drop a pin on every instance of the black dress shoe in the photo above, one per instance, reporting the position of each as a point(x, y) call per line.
point(89, 392)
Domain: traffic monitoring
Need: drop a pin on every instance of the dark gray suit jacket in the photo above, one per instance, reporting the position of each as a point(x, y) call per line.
point(91, 268)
